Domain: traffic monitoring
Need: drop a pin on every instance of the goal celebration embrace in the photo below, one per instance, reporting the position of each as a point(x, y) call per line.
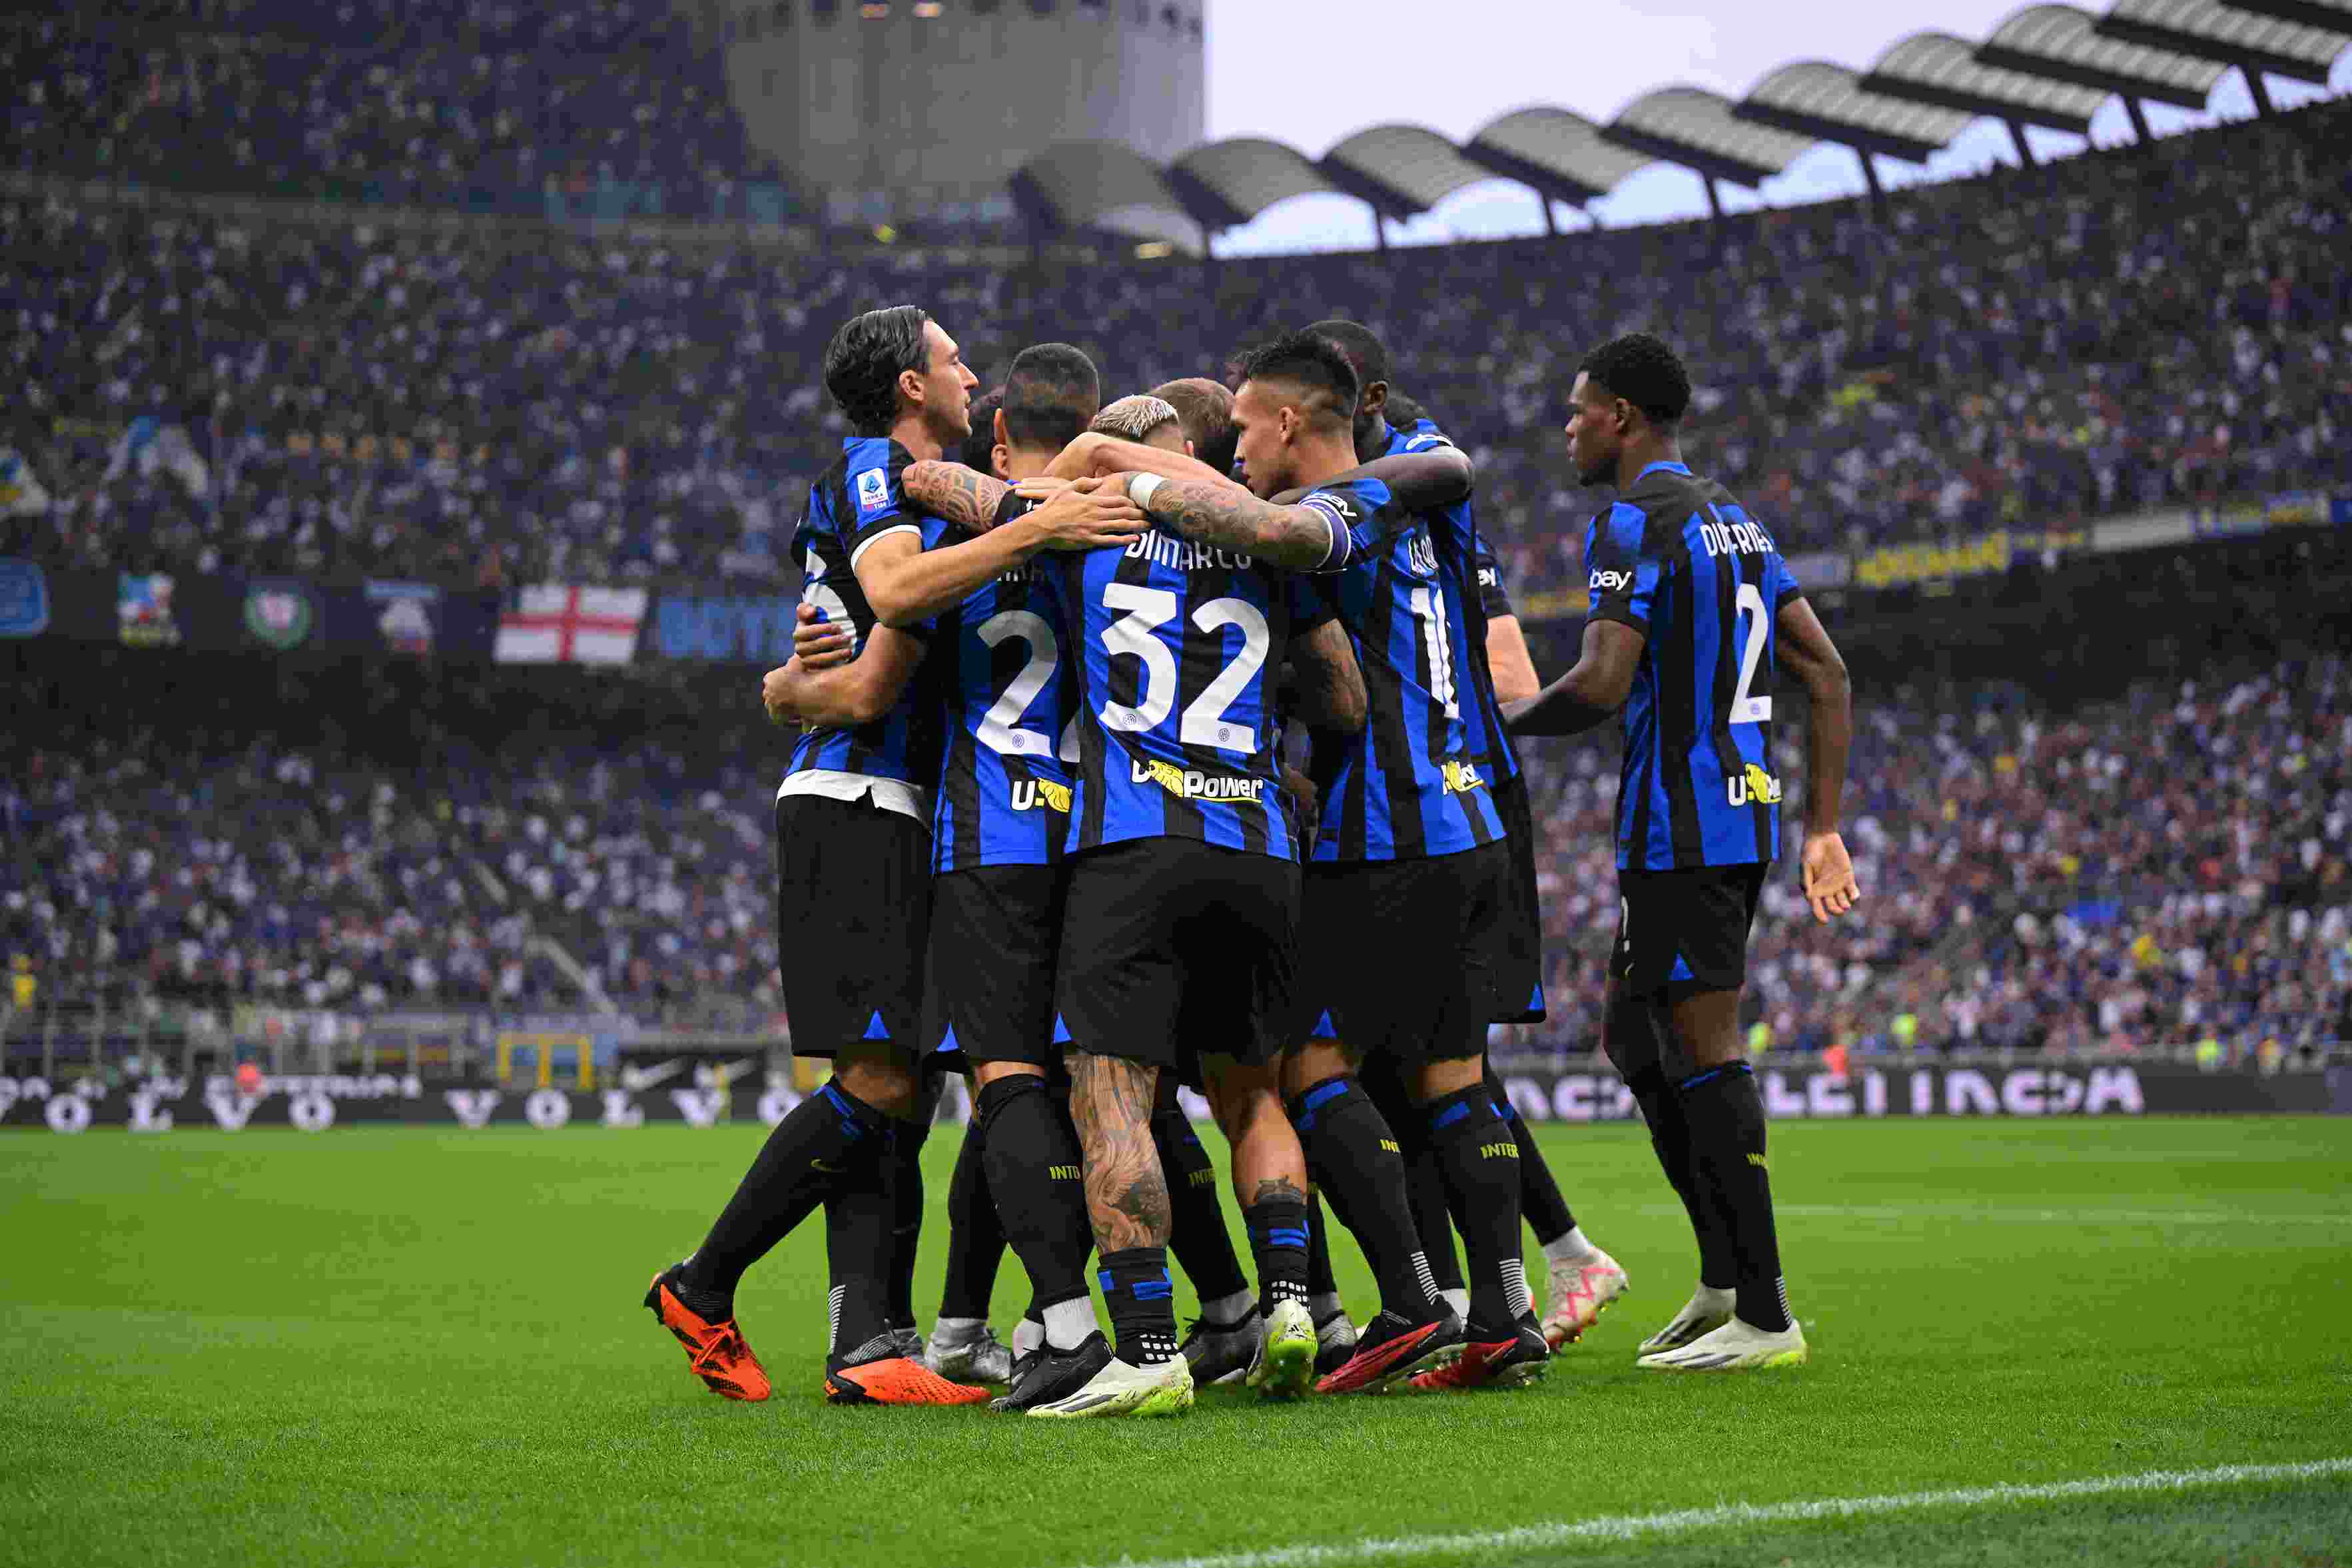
point(1172, 742)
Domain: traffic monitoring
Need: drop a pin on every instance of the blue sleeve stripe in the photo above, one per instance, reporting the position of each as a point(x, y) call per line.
point(1323, 1094)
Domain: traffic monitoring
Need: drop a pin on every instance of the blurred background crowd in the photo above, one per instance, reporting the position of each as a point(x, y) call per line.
point(2146, 328)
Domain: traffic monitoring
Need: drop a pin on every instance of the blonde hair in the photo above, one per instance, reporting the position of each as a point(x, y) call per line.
point(1135, 418)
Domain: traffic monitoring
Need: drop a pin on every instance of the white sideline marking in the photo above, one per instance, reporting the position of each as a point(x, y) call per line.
point(1631, 1527)
point(1995, 1213)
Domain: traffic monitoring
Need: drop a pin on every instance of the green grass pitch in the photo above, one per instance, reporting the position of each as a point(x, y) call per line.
point(393, 1345)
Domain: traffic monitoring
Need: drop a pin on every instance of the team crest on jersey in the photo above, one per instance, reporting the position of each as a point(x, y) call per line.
point(1756, 785)
point(1461, 778)
point(1028, 795)
point(1191, 784)
point(873, 493)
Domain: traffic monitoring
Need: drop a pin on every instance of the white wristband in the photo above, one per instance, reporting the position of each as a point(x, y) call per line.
point(1141, 486)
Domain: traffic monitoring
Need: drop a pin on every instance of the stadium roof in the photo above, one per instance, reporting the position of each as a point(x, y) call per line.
point(2048, 65)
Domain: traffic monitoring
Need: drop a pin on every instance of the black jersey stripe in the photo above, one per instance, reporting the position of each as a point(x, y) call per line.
point(1677, 685)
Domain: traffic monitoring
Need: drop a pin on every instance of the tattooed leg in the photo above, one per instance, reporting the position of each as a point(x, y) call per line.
point(1127, 1193)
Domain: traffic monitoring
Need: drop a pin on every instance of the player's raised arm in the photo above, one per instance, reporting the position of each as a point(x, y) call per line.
point(1102, 453)
point(1805, 647)
point(1219, 514)
point(907, 584)
point(1416, 482)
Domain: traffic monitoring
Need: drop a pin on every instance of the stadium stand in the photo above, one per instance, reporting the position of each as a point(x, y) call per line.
point(2140, 328)
point(2162, 866)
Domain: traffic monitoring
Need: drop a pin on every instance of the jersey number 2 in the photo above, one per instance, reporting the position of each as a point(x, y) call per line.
point(1747, 710)
point(1205, 722)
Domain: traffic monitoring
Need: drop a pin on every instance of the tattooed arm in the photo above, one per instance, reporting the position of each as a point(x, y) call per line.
point(907, 584)
point(953, 494)
point(1302, 538)
point(1127, 1191)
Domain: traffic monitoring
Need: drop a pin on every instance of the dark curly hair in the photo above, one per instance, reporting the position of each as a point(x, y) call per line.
point(865, 360)
point(1640, 368)
point(1363, 348)
point(1312, 361)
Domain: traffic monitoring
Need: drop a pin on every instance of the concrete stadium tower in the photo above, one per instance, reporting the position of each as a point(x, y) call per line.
point(898, 107)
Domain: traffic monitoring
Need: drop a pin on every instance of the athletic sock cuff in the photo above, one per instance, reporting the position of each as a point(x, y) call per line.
point(995, 1096)
point(1711, 1075)
point(1319, 1099)
point(857, 1117)
point(1462, 1113)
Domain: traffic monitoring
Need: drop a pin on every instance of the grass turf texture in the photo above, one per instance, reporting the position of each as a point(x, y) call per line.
point(401, 1345)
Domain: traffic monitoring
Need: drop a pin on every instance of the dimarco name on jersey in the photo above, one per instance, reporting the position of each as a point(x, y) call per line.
point(1183, 555)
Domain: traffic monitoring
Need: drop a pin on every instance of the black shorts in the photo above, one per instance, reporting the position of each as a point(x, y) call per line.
point(1684, 932)
point(853, 922)
point(1397, 957)
point(1173, 949)
point(1516, 954)
point(996, 933)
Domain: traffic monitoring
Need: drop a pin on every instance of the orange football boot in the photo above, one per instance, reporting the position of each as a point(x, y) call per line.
point(716, 1352)
point(893, 1376)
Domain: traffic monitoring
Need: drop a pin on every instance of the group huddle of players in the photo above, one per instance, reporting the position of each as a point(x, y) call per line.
point(1170, 742)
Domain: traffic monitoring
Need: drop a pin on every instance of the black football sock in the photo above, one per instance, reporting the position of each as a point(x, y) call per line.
point(1322, 1285)
point(858, 1220)
point(1036, 1175)
point(1197, 1233)
point(1726, 1116)
point(1424, 1188)
point(1540, 1201)
point(830, 1136)
point(1480, 1166)
point(907, 1221)
point(1142, 1304)
point(1355, 1158)
point(975, 1234)
point(1670, 1138)
point(1278, 1235)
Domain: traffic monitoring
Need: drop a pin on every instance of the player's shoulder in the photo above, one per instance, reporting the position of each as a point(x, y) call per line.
point(1349, 502)
point(1422, 435)
point(872, 470)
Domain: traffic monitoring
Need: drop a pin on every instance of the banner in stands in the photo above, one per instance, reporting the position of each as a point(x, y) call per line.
point(757, 627)
point(316, 1103)
point(229, 613)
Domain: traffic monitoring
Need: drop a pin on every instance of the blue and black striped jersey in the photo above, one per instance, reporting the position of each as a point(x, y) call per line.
point(1004, 788)
point(1411, 783)
point(1455, 528)
point(1678, 561)
point(1180, 647)
point(856, 500)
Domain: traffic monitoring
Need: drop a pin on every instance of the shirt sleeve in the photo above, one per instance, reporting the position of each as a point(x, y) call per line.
point(1362, 514)
point(1424, 437)
point(1493, 596)
point(877, 500)
point(1783, 582)
point(1624, 568)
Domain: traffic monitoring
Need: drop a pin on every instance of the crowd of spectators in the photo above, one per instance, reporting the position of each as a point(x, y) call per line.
point(2138, 328)
point(2166, 867)
point(475, 103)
